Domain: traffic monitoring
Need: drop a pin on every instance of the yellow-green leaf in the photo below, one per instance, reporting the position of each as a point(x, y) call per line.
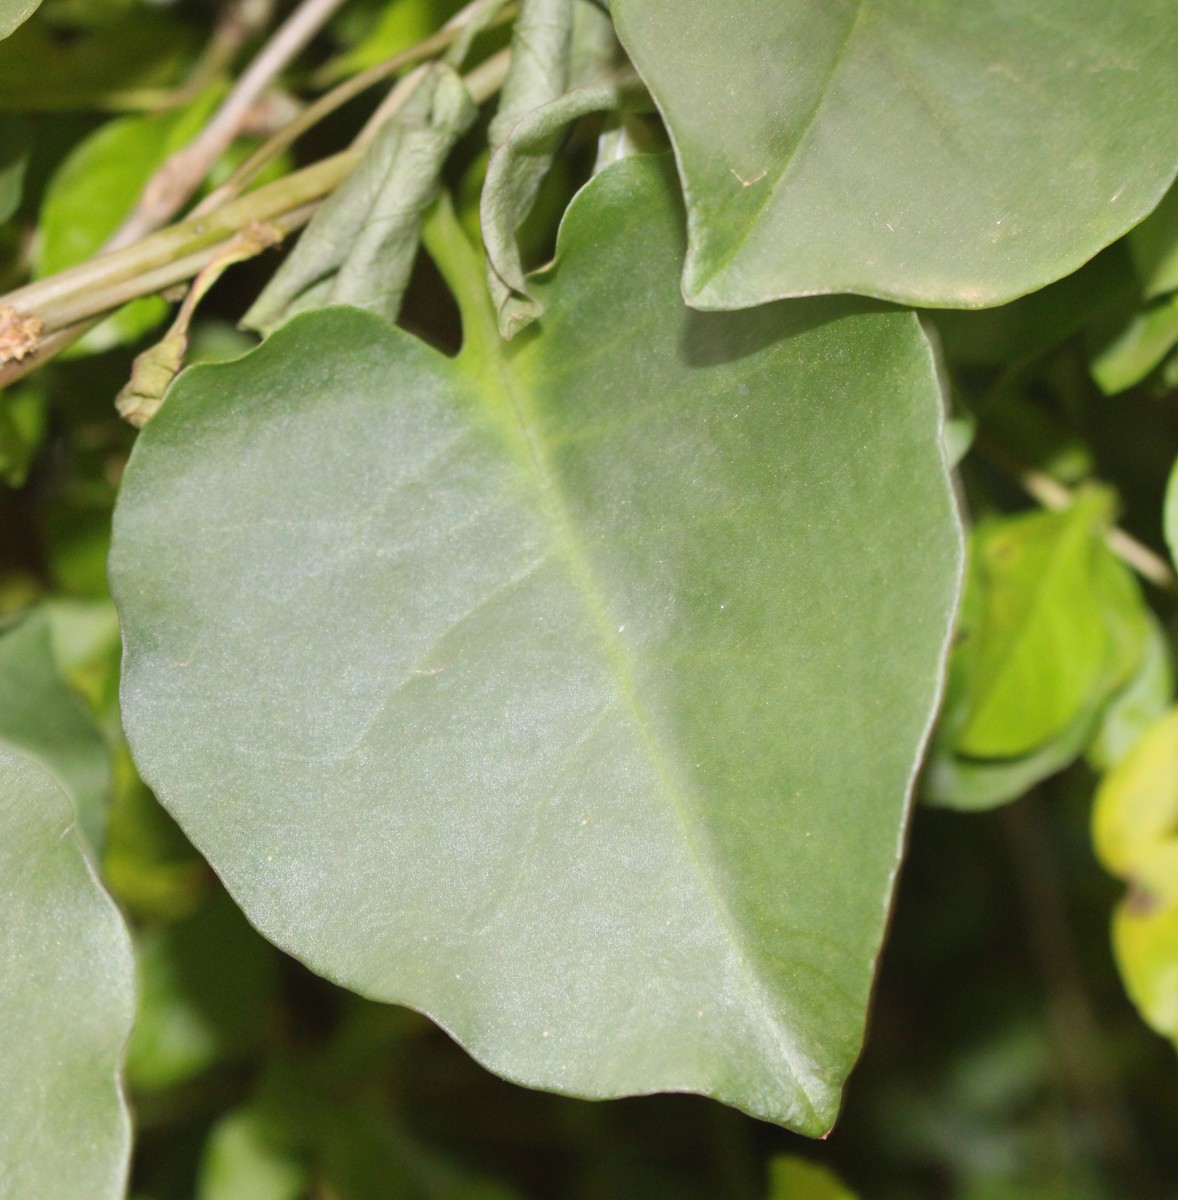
point(1135, 830)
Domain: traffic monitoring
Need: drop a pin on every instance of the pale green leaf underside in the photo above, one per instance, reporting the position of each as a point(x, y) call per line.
point(67, 1000)
point(927, 151)
point(14, 13)
point(569, 691)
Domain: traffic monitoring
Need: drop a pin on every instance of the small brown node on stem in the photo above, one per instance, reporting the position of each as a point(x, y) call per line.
point(19, 335)
point(1140, 901)
point(260, 235)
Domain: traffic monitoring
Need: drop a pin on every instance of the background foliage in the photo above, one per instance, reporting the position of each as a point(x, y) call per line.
point(680, 590)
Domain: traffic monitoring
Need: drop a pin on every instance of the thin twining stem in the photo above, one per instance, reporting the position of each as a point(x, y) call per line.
point(337, 97)
point(66, 304)
point(181, 175)
point(1054, 495)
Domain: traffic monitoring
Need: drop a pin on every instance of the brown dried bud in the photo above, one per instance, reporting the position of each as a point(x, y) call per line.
point(19, 335)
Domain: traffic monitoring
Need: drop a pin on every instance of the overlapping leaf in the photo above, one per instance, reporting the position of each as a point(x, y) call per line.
point(67, 997)
point(937, 154)
point(1053, 629)
point(518, 687)
point(40, 716)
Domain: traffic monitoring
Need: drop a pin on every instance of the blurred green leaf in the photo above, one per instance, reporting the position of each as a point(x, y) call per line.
point(86, 645)
point(1016, 418)
point(1057, 654)
point(23, 419)
point(67, 1002)
point(391, 28)
point(14, 154)
point(1056, 625)
point(207, 987)
point(937, 154)
point(972, 784)
point(248, 1158)
point(1139, 704)
point(1135, 830)
point(793, 1178)
point(1034, 325)
point(93, 191)
point(43, 718)
point(1154, 246)
point(39, 70)
point(149, 866)
point(86, 14)
point(1138, 348)
point(99, 182)
point(528, 647)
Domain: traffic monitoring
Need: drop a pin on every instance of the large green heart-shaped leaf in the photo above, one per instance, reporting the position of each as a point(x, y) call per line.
point(569, 691)
point(929, 151)
point(67, 1000)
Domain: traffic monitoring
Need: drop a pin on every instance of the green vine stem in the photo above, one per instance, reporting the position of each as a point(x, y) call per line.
point(69, 300)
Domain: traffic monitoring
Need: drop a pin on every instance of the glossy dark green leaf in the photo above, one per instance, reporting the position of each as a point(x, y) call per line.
point(67, 1000)
point(14, 13)
point(40, 716)
point(517, 687)
point(931, 153)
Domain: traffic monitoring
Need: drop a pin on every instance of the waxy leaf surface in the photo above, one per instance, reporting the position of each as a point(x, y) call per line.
point(571, 690)
point(927, 151)
point(67, 1000)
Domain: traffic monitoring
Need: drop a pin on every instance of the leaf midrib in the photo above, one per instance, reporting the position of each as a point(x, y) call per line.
point(498, 388)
